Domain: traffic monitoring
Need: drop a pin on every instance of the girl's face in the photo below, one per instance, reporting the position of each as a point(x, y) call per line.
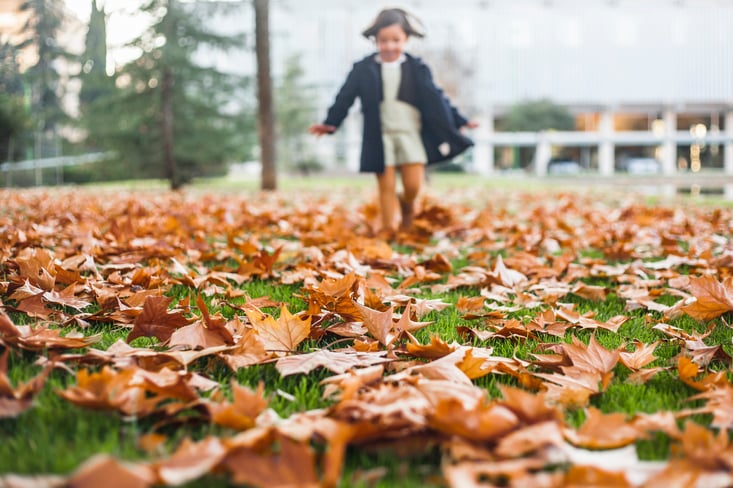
point(391, 42)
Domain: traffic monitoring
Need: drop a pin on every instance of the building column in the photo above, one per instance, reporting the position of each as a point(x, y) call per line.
point(728, 147)
point(353, 143)
point(542, 154)
point(483, 151)
point(669, 146)
point(606, 148)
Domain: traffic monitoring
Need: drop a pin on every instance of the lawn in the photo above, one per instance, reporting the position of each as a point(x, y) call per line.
point(522, 334)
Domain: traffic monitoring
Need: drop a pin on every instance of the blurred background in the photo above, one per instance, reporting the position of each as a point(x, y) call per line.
point(560, 87)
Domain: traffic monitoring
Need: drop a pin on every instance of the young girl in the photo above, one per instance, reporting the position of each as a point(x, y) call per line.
point(408, 121)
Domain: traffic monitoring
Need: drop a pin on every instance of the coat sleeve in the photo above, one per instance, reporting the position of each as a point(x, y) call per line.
point(344, 99)
point(458, 119)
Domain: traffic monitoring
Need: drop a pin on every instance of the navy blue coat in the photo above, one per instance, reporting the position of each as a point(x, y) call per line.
point(440, 120)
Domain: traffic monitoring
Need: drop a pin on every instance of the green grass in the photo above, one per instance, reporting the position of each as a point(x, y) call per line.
point(56, 437)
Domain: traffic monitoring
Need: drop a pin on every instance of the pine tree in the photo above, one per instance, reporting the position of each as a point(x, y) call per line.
point(95, 82)
point(14, 122)
point(171, 116)
point(45, 18)
point(295, 111)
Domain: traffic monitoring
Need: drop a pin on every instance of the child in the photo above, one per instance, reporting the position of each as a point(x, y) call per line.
point(408, 121)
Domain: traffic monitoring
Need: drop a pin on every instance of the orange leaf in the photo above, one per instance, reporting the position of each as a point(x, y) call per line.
point(339, 361)
point(482, 423)
point(293, 465)
point(242, 412)
point(280, 335)
point(190, 461)
point(713, 297)
point(603, 431)
point(14, 401)
point(104, 470)
point(156, 321)
point(642, 355)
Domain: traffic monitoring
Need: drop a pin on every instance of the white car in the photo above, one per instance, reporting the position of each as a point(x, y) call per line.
point(563, 167)
point(642, 166)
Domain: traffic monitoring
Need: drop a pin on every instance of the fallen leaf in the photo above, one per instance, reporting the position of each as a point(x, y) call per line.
point(338, 362)
point(104, 470)
point(14, 401)
point(156, 321)
point(190, 461)
point(713, 298)
point(281, 335)
point(294, 465)
point(603, 431)
point(241, 413)
point(481, 423)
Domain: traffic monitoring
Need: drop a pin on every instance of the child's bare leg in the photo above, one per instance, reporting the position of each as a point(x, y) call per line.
point(413, 175)
point(386, 184)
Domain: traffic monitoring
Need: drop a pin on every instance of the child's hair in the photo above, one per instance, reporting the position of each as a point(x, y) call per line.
point(391, 16)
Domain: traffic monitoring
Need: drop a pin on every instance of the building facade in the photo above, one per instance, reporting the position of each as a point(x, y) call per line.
point(651, 78)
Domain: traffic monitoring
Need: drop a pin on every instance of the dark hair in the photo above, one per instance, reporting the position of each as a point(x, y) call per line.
point(391, 16)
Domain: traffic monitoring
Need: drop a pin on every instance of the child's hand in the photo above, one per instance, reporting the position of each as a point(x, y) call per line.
point(321, 129)
point(472, 124)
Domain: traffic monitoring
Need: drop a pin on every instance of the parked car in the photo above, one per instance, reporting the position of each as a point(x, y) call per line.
point(641, 166)
point(560, 166)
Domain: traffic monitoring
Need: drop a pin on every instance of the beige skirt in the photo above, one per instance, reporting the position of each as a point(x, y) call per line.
point(403, 148)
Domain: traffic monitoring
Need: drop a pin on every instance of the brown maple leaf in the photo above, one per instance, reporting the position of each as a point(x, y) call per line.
point(41, 337)
point(156, 321)
point(720, 405)
point(336, 361)
point(642, 355)
point(483, 422)
point(294, 465)
point(241, 413)
point(436, 349)
point(190, 461)
point(337, 296)
point(209, 332)
point(713, 298)
point(589, 292)
point(530, 408)
point(379, 324)
point(66, 298)
point(530, 438)
point(688, 370)
point(14, 401)
point(104, 470)
point(249, 351)
point(109, 390)
point(507, 277)
point(603, 431)
point(592, 357)
point(131, 391)
point(281, 335)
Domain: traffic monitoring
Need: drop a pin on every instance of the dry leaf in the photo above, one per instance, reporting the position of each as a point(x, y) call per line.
point(281, 335)
point(156, 321)
point(713, 298)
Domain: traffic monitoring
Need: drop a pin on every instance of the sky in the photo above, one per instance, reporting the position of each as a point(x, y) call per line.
point(123, 24)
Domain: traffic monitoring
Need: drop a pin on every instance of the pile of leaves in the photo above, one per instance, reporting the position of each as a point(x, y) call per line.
point(512, 393)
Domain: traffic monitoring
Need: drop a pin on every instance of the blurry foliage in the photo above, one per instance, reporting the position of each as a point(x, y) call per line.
point(93, 75)
point(14, 120)
point(295, 111)
point(537, 115)
point(209, 121)
point(45, 18)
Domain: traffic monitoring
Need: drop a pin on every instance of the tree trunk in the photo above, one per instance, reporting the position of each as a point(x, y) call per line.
point(166, 94)
point(266, 117)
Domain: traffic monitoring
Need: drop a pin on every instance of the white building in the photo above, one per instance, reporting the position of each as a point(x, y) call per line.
point(649, 77)
point(643, 77)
